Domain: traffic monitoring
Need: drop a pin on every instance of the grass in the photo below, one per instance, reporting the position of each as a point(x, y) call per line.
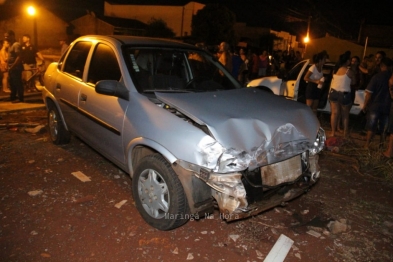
point(370, 161)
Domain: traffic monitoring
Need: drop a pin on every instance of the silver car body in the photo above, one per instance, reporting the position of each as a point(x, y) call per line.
point(215, 141)
point(290, 87)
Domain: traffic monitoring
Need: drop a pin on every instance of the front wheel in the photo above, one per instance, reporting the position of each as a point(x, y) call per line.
point(58, 133)
point(158, 194)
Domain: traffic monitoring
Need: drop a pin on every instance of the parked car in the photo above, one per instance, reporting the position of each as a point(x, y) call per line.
point(189, 135)
point(292, 86)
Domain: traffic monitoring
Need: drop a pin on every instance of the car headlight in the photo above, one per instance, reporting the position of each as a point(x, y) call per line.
point(319, 142)
point(210, 151)
point(217, 158)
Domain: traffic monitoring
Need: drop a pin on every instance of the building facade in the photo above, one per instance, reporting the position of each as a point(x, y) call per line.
point(178, 18)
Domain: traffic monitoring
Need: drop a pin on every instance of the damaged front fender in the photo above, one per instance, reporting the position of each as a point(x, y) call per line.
point(281, 182)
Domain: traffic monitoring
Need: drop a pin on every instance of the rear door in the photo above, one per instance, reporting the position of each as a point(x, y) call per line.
point(69, 82)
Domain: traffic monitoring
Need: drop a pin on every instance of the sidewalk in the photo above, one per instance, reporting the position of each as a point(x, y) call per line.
point(33, 101)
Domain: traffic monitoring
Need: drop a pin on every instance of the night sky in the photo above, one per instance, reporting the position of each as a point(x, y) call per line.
point(337, 17)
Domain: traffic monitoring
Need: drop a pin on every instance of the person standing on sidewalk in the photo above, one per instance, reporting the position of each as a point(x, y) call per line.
point(4, 65)
point(15, 68)
point(29, 55)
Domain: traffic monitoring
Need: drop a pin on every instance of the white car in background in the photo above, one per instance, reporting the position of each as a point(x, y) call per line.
point(292, 86)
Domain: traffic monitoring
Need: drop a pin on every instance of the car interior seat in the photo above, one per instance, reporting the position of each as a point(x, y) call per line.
point(164, 76)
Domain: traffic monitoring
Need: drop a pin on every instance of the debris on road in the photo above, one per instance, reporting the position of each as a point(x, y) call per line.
point(35, 130)
point(313, 233)
point(280, 249)
point(234, 237)
point(82, 177)
point(119, 205)
point(35, 192)
point(336, 227)
point(190, 256)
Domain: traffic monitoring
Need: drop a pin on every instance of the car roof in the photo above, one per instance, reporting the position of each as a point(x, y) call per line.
point(138, 41)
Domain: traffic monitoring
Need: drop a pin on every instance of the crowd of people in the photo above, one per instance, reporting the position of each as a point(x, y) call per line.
point(247, 64)
point(18, 64)
point(374, 75)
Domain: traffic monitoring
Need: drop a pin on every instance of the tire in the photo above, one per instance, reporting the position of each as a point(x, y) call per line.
point(158, 194)
point(58, 134)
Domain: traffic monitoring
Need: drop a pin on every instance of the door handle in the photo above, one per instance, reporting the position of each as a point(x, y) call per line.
point(83, 97)
point(58, 86)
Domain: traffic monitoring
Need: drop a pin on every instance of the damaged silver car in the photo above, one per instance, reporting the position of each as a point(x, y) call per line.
point(189, 135)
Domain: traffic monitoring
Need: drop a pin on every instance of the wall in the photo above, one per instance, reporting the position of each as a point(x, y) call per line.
point(89, 24)
point(335, 47)
point(178, 18)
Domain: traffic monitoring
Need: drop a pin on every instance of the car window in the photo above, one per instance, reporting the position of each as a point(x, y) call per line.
point(294, 72)
point(76, 60)
point(155, 70)
point(103, 65)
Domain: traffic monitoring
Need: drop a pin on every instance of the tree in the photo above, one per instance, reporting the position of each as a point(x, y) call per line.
point(158, 28)
point(214, 24)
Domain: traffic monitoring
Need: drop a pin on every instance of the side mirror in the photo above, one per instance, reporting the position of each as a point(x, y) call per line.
point(112, 88)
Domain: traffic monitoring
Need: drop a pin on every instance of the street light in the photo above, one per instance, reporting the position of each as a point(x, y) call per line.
point(307, 38)
point(32, 11)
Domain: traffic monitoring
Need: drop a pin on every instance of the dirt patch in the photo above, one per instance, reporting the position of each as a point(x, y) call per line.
point(47, 213)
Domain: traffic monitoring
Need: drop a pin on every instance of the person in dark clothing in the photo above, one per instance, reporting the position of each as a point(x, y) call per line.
point(377, 102)
point(15, 68)
point(29, 55)
point(389, 151)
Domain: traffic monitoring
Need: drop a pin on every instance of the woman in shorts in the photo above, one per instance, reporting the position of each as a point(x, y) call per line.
point(314, 79)
point(340, 94)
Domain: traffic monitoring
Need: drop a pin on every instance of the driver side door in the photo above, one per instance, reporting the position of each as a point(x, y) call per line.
point(103, 115)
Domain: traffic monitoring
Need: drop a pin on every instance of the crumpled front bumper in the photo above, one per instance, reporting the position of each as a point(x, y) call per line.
point(281, 182)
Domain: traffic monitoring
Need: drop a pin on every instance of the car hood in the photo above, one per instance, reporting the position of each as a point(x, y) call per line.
point(250, 121)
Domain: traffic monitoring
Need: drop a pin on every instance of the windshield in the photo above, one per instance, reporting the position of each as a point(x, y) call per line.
point(174, 70)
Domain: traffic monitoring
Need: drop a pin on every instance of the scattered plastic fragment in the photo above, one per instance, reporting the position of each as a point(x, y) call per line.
point(118, 205)
point(234, 237)
point(280, 249)
point(45, 255)
point(35, 192)
point(35, 130)
point(82, 177)
point(313, 233)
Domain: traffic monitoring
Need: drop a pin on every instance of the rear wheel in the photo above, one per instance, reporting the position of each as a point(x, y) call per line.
point(57, 131)
point(158, 194)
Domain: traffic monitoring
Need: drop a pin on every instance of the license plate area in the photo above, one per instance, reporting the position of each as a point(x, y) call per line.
point(285, 171)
